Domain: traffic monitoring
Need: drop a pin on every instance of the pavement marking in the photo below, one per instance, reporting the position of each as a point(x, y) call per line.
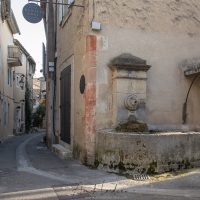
point(24, 164)
point(46, 193)
point(41, 148)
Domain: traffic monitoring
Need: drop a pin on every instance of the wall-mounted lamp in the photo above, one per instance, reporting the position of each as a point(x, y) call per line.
point(18, 107)
point(21, 84)
point(18, 74)
point(44, 93)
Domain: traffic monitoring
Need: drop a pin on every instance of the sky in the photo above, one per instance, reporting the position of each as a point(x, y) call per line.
point(32, 35)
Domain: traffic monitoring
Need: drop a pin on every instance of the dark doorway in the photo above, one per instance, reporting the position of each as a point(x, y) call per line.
point(65, 104)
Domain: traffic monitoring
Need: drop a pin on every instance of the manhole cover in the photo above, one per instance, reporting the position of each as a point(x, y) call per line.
point(140, 177)
point(8, 172)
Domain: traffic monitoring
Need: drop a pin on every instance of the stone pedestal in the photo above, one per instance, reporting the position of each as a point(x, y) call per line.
point(129, 74)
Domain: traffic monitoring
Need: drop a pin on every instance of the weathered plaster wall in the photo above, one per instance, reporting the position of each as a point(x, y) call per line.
point(1, 83)
point(18, 95)
point(147, 153)
point(177, 16)
point(164, 33)
point(76, 47)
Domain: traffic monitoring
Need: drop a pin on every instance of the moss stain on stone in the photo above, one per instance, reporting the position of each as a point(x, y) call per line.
point(187, 164)
point(121, 166)
point(121, 155)
point(152, 168)
point(76, 151)
point(96, 163)
point(111, 166)
point(132, 126)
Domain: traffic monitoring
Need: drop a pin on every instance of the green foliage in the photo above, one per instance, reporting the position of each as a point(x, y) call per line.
point(40, 113)
point(28, 108)
point(132, 126)
point(41, 110)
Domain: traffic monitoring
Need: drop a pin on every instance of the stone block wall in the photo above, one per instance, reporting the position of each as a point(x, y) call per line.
point(147, 153)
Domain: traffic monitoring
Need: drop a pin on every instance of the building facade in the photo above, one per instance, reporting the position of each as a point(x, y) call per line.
point(15, 65)
point(22, 74)
point(10, 57)
point(119, 60)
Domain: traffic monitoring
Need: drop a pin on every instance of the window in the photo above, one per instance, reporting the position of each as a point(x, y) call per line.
point(64, 9)
point(9, 77)
point(1, 61)
point(17, 81)
point(5, 113)
point(22, 112)
point(60, 11)
point(5, 9)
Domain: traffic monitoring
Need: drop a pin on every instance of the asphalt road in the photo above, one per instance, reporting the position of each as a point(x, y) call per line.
point(29, 170)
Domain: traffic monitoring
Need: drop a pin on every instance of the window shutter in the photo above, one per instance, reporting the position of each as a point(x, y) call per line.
point(5, 9)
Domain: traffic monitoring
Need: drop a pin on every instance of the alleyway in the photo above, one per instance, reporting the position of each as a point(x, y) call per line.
point(28, 170)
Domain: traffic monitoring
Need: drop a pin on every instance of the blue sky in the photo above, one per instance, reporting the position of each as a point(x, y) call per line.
point(32, 35)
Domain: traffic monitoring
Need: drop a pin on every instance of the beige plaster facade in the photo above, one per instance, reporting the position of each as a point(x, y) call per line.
point(23, 73)
point(6, 71)
point(163, 33)
point(15, 65)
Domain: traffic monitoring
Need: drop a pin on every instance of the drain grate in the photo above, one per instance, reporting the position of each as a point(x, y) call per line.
point(140, 177)
point(8, 172)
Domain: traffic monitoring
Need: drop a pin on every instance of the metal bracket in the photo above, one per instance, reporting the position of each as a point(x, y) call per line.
point(57, 3)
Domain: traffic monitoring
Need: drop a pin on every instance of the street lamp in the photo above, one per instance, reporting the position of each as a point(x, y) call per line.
point(21, 83)
point(44, 93)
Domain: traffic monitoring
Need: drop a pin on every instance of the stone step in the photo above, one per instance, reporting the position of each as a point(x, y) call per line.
point(19, 133)
point(61, 151)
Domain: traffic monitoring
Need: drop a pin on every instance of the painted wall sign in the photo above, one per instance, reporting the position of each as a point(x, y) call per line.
point(32, 13)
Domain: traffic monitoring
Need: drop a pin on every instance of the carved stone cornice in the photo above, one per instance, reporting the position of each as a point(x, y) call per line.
point(128, 62)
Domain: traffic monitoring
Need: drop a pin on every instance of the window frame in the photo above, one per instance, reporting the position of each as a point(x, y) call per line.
point(9, 77)
point(64, 11)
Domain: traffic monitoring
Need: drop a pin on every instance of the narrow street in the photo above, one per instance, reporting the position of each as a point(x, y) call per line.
point(29, 170)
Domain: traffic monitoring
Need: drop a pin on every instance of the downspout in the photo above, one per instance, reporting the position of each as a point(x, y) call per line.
point(54, 79)
point(26, 83)
point(51, 58)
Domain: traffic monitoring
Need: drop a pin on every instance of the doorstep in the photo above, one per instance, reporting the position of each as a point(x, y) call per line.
point(61, 151)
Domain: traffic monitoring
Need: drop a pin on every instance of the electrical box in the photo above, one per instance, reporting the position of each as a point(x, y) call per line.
point(96, 26)
point(51, 66)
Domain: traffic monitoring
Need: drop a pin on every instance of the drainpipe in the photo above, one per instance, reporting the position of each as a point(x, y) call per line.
point(51, 58)
point(26, 83)
point(54, 77)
